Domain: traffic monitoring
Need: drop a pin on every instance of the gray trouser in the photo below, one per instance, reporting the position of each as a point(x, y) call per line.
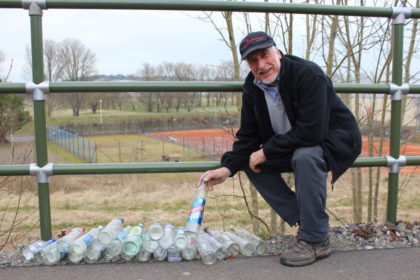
point(307, 205)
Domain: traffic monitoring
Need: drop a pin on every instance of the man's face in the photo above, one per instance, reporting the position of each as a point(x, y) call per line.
point(265, 64)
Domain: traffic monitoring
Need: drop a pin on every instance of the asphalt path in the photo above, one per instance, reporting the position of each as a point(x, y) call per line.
point(381, 264)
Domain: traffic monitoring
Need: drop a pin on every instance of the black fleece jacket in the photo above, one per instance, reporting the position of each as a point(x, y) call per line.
point(316, 114)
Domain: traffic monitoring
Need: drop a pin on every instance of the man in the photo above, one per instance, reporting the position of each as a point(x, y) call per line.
point(291, 121)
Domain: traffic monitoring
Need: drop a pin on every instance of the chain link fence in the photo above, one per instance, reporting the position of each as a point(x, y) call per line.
point(73, 143)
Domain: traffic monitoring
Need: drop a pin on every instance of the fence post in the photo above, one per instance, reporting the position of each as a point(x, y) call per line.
point(35, 14)
point(399, 15)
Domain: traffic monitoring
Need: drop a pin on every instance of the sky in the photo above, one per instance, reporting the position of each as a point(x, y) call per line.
point(121, 39)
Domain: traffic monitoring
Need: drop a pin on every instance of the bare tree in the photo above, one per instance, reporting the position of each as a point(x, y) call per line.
point(78, 63)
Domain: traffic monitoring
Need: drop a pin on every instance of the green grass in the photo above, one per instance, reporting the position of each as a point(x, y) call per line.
point(65, 156)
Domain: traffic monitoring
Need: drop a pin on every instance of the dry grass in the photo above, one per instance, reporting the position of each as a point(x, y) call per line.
point(90, 200)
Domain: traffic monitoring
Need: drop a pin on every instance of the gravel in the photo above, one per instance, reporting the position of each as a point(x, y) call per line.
point(342, 238)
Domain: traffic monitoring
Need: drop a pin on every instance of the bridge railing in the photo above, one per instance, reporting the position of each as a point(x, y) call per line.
point(42, 170)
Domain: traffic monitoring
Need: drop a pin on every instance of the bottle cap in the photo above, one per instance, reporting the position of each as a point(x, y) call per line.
point(121, 219)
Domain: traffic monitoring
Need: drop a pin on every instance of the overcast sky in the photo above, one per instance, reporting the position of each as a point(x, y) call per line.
point(121, 39)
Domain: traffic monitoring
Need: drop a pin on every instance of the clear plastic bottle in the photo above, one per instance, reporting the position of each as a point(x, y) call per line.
point(32, 251)
point(206, 251)
point(232, 248)
point(133, 242)
point(156, 231)
point(167, 240)
point(113, 249)
point(94, 251)
point(195, 216)
point(56, 251)
point(144, 256)
point(79, 246)
point(260, 245)
point(246, 247)
point(174, 254)
point(149, 244)
point(110, 231)
point(190, 251)
point(160, 254)
point(180, 239)
point(218, 248)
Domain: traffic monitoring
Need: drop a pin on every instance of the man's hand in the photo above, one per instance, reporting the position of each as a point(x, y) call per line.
point(214, 177)
point(256, 158)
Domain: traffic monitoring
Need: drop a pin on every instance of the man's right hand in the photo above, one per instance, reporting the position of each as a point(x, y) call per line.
point(214, 177)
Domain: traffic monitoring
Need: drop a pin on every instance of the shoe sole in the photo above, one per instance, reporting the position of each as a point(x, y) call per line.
point(297, 264)
point(303, 263)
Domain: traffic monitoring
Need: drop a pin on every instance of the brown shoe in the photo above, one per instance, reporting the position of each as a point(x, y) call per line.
point(304, 253)
point(300, 254)
point(322, 250)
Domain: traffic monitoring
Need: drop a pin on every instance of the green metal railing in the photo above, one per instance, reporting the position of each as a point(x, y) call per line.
point(42, 170)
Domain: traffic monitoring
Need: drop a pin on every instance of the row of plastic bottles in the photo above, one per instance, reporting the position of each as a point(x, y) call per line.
point(159, 242)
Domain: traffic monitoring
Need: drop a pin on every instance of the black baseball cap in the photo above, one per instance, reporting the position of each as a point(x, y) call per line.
point(255, 41)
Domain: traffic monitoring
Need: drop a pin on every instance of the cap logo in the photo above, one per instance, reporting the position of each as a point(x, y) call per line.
point(247, 41)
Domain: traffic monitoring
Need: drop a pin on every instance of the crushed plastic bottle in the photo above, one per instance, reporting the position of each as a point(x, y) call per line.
point(144, 256)
point(149, 244)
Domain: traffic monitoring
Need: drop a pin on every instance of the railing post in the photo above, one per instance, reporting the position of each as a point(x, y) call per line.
point(35, 8)
point(399, 16)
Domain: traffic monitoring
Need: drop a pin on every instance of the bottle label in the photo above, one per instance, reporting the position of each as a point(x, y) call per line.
point(88, 239)
point(197, 209)
point(35, 247)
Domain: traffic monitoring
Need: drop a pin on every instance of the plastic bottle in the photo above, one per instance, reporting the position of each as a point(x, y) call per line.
point(246, 247)
point(160, 254)
point(113, 249)
point(180, 239)
point(143, 255)
point(206, 251)
point(79, 246)
point(260, 245)
point(218, 248)
point(110, 231)
point(149, 244)
point(190, 251)
point(174, 254)
point(33, 251)
point(232, 248)
point(133, 241)
point(156, 231)
point(195, 215)
point(167, 240)
point(94, 251)
point(56, 251)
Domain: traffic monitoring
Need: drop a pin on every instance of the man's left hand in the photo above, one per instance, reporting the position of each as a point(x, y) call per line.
point(255, 159)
